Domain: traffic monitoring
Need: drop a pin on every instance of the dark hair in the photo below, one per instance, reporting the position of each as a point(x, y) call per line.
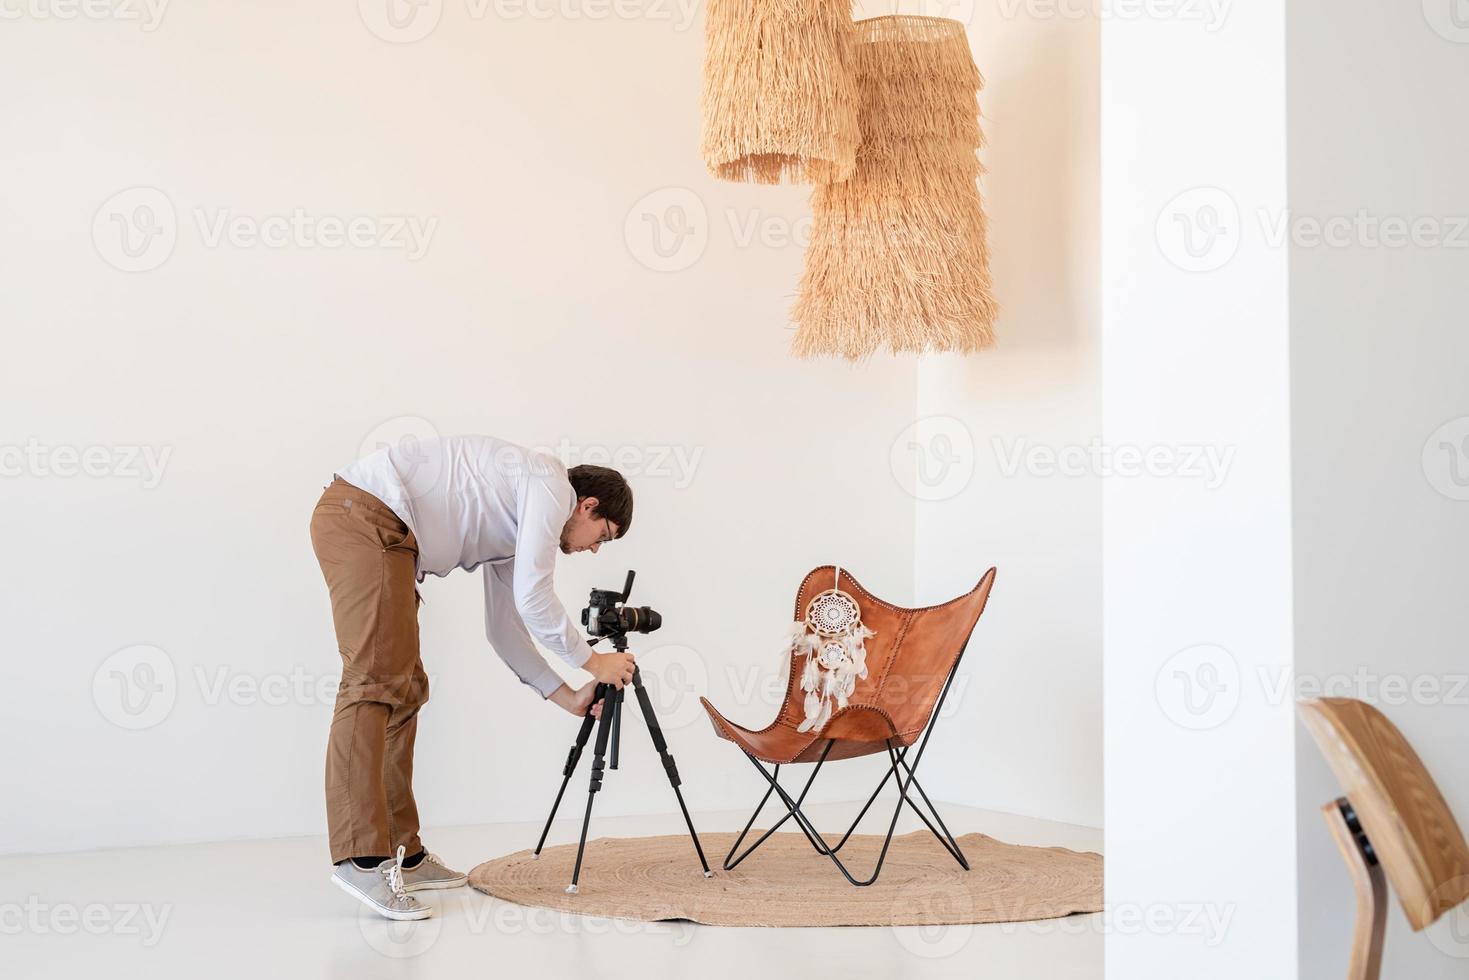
point(614, 496)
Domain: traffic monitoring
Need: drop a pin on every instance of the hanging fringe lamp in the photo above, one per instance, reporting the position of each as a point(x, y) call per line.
point(898, 255)
point(780, 97)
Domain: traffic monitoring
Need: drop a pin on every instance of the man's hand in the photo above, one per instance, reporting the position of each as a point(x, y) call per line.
point(611, 668)
point(579, 701)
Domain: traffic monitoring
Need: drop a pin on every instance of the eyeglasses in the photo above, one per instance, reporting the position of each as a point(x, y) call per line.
point(608, 526)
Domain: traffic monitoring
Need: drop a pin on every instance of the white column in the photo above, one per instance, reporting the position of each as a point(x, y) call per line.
point(1199, 784)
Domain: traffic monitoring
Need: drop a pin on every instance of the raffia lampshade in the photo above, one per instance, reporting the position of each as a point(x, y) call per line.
point(898, 255)
point(780, 97)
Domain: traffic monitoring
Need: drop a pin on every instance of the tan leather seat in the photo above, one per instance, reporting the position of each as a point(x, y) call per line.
point(908, 661)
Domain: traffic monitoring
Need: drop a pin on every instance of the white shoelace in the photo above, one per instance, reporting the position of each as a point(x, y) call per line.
point(394, 876)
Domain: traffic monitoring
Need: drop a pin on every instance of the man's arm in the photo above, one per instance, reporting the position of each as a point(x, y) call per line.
point(508, 635)
point(543, 514)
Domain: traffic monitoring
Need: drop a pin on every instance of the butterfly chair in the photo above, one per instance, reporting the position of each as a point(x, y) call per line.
point(1393, 819)
point(911, 662)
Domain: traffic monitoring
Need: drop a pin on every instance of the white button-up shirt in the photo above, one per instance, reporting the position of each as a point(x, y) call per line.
point(476, 500)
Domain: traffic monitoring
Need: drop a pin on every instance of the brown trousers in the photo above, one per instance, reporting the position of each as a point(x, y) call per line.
point(368, 557)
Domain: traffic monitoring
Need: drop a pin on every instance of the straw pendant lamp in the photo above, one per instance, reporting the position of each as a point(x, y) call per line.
point(780, 98)
point(898, 256)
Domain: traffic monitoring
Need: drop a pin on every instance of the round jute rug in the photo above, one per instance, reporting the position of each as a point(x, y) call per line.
point(786, 883)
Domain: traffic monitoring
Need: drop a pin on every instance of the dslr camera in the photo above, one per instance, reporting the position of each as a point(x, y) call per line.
point(607, 615)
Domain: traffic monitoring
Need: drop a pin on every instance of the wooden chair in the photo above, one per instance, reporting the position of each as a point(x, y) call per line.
point(911, 663)
point(1393, 819)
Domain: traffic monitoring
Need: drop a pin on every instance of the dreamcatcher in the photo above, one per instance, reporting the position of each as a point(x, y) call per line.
point(831, 637)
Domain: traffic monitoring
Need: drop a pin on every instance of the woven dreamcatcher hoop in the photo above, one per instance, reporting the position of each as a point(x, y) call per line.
point(831, 638)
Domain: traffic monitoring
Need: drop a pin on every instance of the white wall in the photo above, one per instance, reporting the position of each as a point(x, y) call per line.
point(1030, 708)
point(1378, 355)
point(533, 143)
point(1200, 794)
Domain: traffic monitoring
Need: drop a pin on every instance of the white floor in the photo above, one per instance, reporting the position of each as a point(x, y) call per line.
point(260, 909)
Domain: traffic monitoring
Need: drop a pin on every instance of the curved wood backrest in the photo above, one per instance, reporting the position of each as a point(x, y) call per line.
point(908, 660)
point(1411, 828)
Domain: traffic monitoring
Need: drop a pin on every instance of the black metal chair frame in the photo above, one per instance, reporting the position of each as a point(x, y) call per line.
point(897, 760)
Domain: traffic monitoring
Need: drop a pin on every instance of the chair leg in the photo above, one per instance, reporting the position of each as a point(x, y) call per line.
point(774, 778)
point(794, 807)
point(897, 760)
point(1366, 962)
point(944, 836)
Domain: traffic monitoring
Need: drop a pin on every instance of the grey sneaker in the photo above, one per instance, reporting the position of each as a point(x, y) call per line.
point(381, 888)
point(431, 873)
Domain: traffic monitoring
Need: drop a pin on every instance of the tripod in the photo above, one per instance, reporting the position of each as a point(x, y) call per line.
point(609, 735)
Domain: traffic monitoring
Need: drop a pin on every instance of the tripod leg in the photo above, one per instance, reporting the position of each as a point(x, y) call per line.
point(615, 705)
point(599, 752)
point(572, 758)
point(669, 766)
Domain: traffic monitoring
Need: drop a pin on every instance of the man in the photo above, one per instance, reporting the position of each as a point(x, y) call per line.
point(385, 523)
